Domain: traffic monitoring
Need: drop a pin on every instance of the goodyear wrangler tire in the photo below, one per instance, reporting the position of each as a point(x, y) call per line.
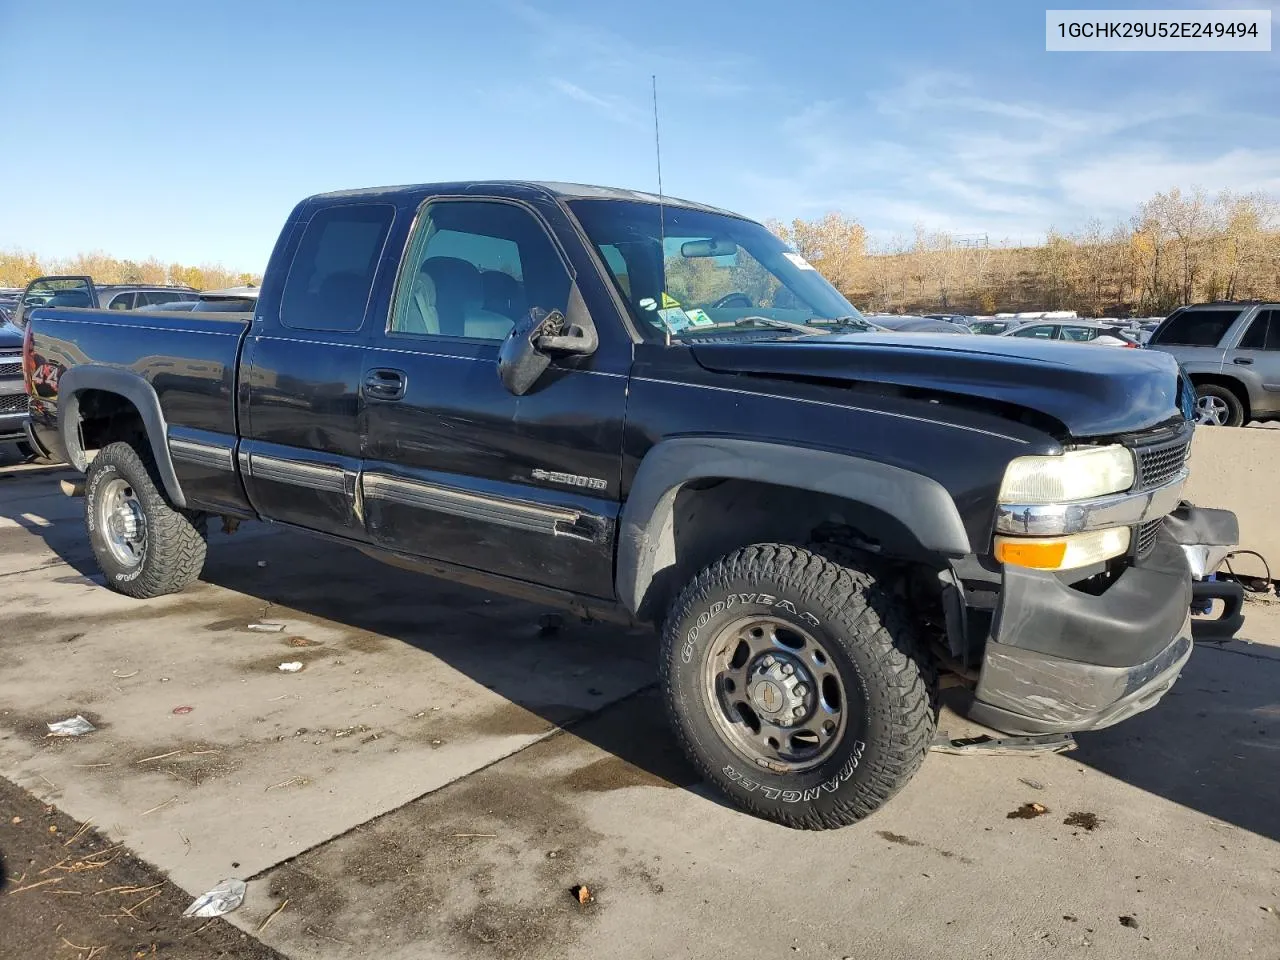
point(796, 685)
point(145, 547)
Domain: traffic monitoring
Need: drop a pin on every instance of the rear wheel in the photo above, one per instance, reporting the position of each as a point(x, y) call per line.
point(144, 546)
point(1218, 406)
point(796, 686)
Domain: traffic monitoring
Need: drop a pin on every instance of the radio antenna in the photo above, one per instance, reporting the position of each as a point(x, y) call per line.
point(662, 223)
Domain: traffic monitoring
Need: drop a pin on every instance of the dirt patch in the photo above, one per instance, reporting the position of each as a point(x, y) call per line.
point(368, 643)
point(271, 662)
point(34, 727)
point(436, 727)
point(85, 903)
point(898, 839)
point(614, 773)
point(38, 627)
point(192, 763)
point(480, 867)
point(1082, 819)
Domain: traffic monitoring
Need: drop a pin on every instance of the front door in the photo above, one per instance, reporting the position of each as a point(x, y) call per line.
point(301, 401)
point(457, 468)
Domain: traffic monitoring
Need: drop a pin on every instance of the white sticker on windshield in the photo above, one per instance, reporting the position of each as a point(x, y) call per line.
point(799, 261)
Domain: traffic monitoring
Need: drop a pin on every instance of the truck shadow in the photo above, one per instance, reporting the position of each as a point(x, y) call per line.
point(561, 674)
point(1212, 744)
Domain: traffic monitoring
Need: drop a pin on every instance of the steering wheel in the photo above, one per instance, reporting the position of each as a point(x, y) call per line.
point(735, 299)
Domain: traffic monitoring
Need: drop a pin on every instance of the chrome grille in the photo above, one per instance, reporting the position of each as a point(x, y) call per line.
point(10, 368)
point(14, 403)
point(1147, 534)
point(1160, 463)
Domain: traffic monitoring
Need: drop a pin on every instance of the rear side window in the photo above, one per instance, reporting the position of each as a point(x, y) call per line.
point(1263, 333)
point(122, 301)
point(332, 272)
point(1195, 328)
point(161, 296)
point(1079, 334)
point(1037, 333)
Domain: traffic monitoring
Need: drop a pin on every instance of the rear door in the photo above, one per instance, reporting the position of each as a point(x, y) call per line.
point(1256, 359)
point(301, 405)
point(457, 468)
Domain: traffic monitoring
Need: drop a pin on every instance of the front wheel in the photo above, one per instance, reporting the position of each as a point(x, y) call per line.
point(145, 547)
point(796, 685)
point(1218, 406)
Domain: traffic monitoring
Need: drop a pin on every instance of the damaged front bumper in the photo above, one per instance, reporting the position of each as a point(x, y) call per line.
point(1061, 660)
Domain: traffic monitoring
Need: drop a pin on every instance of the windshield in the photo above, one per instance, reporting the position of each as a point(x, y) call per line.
point(691, 270)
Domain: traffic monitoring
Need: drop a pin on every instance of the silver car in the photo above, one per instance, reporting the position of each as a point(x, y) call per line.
point(1231, 351)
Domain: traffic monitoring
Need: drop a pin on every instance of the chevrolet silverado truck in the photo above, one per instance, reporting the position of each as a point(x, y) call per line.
point(647, 409)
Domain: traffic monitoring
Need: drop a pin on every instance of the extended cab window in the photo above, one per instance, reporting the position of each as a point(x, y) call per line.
point(333, 268)
point(473, 268)
point(1195, 328)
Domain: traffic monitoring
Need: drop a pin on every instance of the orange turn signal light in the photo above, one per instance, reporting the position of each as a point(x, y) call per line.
point(1039, 554)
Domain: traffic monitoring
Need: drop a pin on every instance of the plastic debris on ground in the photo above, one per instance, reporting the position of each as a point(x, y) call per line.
point(223, 898)
point(266, 627)
point(292, 666)
point(74, 727)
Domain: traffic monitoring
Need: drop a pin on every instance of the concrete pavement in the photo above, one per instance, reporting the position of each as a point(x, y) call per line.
point(440, 774)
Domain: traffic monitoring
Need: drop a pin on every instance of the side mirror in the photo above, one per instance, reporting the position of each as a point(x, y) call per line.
point(527, 350)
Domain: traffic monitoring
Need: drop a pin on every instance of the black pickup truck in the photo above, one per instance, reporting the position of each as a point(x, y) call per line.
point(654, 410)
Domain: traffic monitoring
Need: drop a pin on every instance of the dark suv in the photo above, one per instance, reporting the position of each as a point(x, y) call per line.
point(1231, 351)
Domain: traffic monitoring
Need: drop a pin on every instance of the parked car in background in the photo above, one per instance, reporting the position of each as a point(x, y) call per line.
point(1231, 351)
point(230, 300)
point(1076, 331)
point(81, 291)
point(913, 324)
point(956, 318)
point(13, 394)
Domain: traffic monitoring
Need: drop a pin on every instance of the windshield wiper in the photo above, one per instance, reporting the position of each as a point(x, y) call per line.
point(860, 323)
point(780, 324)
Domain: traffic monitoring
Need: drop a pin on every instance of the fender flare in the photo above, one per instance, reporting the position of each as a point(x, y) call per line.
point(137, 391)
point(920, 503)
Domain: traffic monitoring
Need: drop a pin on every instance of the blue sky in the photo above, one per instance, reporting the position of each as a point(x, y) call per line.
point(187, 131)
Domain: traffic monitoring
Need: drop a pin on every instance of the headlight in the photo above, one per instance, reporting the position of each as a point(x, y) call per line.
point(1063, 553)
point(1075, 475)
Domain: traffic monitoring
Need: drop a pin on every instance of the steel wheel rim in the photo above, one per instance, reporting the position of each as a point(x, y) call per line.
point(775, 694)
point(1211, 411)
point(122, 522)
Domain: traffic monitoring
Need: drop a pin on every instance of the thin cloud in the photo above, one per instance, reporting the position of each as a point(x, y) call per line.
point(944, 153)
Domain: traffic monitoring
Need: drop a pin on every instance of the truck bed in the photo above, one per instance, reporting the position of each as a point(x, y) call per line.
point(188, 360)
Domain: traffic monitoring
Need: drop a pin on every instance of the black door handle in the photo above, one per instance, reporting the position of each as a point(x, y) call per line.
point(1243, 361)
point(385, 384)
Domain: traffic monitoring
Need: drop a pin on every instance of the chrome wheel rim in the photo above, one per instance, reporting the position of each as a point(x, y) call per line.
point(122, 522)
point(775, 694)
point(1212, 411)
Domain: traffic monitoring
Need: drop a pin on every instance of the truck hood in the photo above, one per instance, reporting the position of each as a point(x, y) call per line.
point(1093, 391)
